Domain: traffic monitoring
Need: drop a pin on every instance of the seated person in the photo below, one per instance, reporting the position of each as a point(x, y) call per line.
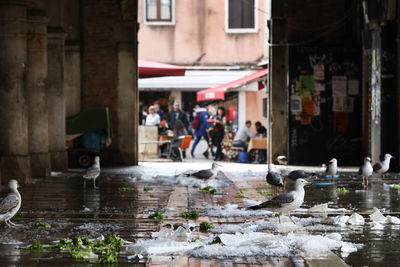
point(179, 131)
point(262, 133)
point(152, 119)
point(242, 136)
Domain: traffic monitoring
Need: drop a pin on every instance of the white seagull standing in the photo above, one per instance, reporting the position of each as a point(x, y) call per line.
point(92, 172)
point(10, 205)
point(285, 202)
point(331, 169)
point(383, 166)
point(207, 173)
point(366, 170)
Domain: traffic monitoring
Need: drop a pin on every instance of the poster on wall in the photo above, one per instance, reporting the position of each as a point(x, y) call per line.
point(319, 72)
point(338, 105)
point(295, 104)
point(319, 86)
point(317, 103)
point(353, 87)
point(339, 85)
point(306, 86)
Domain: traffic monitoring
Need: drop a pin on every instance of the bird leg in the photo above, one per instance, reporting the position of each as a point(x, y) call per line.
point(291, 218)
point(279, 218)
point(14, 224)
point(84, 183)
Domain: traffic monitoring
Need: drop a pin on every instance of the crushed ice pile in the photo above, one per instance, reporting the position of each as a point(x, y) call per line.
point(245, 244)
point(232, 210)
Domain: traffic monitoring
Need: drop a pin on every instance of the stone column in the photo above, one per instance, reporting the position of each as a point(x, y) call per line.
point(14, 158)
point(37, 104)
point(55, 98)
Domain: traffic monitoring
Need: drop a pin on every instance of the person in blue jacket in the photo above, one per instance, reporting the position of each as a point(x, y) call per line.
point(201, 131)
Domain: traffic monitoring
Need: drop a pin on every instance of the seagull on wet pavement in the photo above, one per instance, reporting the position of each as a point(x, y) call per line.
point(366, 170)
point(383, 166)
point(92, 172)
point(331, 169)
point(10, 205)
point(299, 174)
point(274, 177)
point(285, 202)
point(207, 173)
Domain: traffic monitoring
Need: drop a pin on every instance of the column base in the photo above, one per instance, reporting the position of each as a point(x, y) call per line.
point(40, 164)
point(15, 167)
point(59, 160)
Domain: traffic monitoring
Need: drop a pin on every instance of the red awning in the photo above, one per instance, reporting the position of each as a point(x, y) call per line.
point(218, 92)
point(148, 69)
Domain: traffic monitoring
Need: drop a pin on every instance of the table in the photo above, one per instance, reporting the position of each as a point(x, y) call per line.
point(257, 143)
point(162, 138)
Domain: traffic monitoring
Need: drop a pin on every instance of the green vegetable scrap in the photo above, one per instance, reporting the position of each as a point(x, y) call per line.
point(198, 239)
point(239, 195)
point(157, 216)
point(204, 226)
point(145, 189)
point(396, 186)
point(44, 225)
point(19, 214)
point(126, 189)
point(102, 251)
point(208, 190)
point(264, 192)
point(218, 241)
point(171, 190)
point(191, 215)
point(342, 190)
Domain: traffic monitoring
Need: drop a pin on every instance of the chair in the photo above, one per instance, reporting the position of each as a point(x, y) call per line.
point(186, 139)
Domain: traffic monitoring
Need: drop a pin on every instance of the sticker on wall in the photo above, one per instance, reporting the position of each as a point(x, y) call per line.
point(353, 87)
point(339, 85)
point(338, 105)
point(305, 119)
point(317, 103)
point(306, 86)
point(295, 104)
point(319, 86)
point(308, 107)
point(319, 72)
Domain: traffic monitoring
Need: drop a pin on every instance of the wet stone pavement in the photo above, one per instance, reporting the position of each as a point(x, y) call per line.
point(127, 196)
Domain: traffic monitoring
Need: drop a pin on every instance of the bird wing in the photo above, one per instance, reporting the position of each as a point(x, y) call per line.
point(8, 203)
point(275, 202)
point(91, 172)
point(377, 166)
point(274, 178)
point(204, 174)
point(360, 170)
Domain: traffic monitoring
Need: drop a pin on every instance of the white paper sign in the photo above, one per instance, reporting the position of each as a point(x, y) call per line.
point(353, 87)
point(339, 85)
point(295, 104)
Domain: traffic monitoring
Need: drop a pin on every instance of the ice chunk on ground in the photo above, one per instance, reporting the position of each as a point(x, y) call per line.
point(334, 236)
point(392, 220)
point(179, 235)
point(319, 208)
point(377, 216)
point(340, 220)
point(250, 202)
point(356, 219)
point(348, 247)
point(376, 226)
point(230, 210)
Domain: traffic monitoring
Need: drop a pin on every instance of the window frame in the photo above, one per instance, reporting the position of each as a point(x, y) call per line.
point(159, 22)
point(241, 30)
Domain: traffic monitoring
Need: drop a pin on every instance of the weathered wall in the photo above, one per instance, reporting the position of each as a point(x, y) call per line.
point(72, 80)
point(199, 28)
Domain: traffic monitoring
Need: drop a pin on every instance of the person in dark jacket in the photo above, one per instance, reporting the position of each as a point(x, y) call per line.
point(177, 114)
point(201, 131)
point(218, 132)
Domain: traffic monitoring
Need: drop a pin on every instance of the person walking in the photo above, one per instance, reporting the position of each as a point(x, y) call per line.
point(200, 125)
point(218, 132)
point(177, 114)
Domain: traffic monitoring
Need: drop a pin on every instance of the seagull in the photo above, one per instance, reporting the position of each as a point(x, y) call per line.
point(366, 170)
point(383, 166)
point(92, 172)
point(274, 177)
point(10, 205)
point(331, 169)
point(207, 173)
point(285, 202)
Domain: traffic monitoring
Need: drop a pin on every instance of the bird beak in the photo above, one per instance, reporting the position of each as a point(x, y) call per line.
point(308, 183)
point(330, 161)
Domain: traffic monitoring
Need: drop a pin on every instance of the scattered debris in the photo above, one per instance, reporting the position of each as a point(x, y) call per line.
point(342, 190)
point(208, 190)
point(204, 226)
point(191, 215)
point(157, 216)
point(44, 225)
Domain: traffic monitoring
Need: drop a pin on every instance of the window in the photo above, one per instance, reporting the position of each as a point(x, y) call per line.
point(241, 16)
point(159, 12)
